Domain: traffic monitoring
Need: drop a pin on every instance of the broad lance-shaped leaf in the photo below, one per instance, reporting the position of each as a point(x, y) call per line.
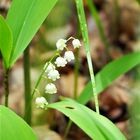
point(12, 127)
point(97, 127)
point(110, 73)
point(25, 17)
point(5, 41)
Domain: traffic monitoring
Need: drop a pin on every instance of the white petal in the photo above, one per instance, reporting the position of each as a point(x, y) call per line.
point(41, 102)
point(50, 88)
point(50, 67)
point(53, 75)
point(61, 44)
point(76, 43)
point(60, 62)
point(69, 56)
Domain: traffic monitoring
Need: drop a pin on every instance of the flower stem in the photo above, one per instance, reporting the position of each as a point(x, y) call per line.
point(42, 73)
point(76, 73)
point(6, 86)
point(29, 97)
point(67, 129)
point(27, 87)
point(83, 26)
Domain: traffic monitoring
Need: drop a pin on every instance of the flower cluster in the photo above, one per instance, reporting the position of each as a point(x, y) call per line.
point(51, 71)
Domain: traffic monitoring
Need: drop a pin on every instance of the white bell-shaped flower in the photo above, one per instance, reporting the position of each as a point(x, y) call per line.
point(76, 43)
point(53, 75)
point(49, 68)
point(60, 62)
point(41, 102)
point(69, 56)
point(50, 88)
point(61, 44)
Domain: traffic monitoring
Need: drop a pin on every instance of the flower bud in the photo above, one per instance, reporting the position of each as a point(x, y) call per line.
point(76, 43)
point(50, 88)
point(41, 102)
point(60, 62)
point(61, 44)
point(53, 75)
point(69, 56)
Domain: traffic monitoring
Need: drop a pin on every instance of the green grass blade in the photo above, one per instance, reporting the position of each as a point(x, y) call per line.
point(5, 41)
point(94, 125)
point(12, 127)
point(84, 30)
point(98, 21)
point(110, 73)
point(25, 17)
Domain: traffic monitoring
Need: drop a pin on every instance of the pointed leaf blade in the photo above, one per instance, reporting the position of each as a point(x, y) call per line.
point(13, 127)
point(30, 14)
point(109, 73)
point(5, 41)
point(94, 125)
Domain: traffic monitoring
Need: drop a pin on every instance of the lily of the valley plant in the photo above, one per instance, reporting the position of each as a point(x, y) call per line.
point(51, 72)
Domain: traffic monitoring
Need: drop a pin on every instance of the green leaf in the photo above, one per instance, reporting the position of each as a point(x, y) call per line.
point(12, 127)
point(5, 41)
point(97, 127)
point(25, 17)
point(110, 73)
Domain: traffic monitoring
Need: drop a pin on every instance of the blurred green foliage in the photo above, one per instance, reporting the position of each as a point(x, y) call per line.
point(60, 15)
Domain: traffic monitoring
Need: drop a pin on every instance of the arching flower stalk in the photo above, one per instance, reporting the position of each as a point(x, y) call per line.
point(50, 71)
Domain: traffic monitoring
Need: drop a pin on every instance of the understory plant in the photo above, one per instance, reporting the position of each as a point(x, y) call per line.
point(16, 32)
